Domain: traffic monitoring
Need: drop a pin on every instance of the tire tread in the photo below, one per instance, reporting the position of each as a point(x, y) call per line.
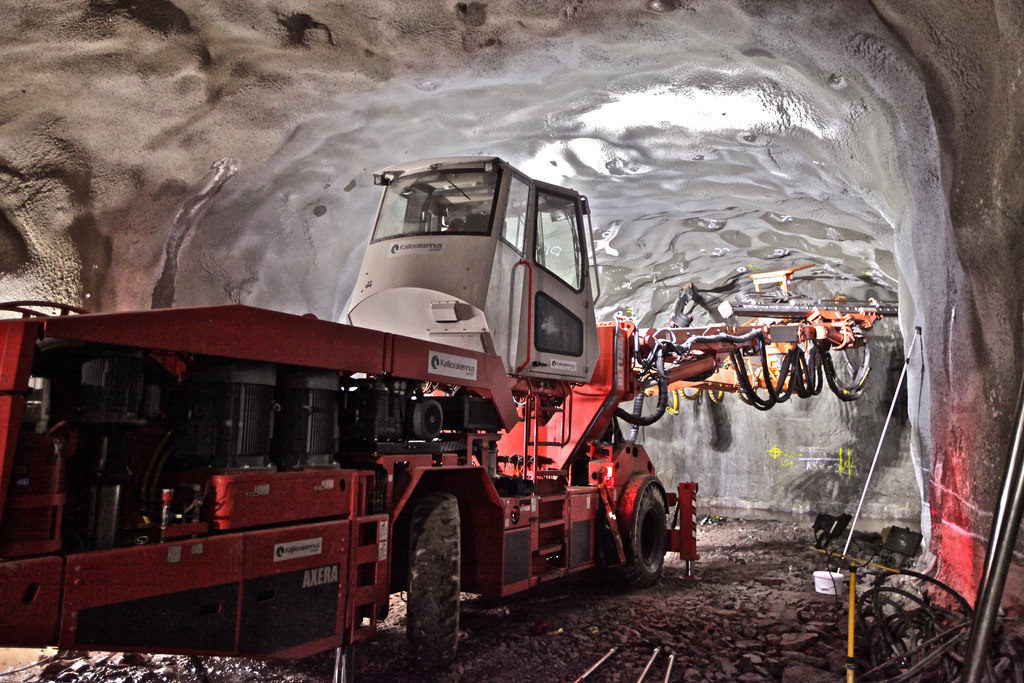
point(432, 624)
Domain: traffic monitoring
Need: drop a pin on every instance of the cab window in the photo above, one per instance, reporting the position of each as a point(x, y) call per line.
point(514, 229)
point(558, 238)
point(451, 201)
point(556, 329)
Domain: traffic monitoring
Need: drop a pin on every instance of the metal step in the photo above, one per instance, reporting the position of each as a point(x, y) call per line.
point(551, 575)
point(551, 549)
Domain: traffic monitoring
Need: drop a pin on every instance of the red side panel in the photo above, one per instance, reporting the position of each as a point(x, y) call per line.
point(30, 600)
point(169, 597)
point(250, 499)
point(35, 502)
point(274, 592)
point(17, 338)
point(294, 589)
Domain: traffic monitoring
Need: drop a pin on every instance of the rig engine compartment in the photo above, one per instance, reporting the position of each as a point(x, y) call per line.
point(137, 447)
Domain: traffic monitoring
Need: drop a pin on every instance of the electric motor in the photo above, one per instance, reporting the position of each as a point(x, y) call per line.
point(305, 433)
point(112, 388)
point(230, 417)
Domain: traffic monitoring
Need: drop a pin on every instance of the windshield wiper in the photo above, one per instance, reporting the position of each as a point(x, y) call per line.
point(434, 168)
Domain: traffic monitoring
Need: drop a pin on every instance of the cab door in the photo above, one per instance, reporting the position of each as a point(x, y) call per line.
point(563, 334)
point(513, 269)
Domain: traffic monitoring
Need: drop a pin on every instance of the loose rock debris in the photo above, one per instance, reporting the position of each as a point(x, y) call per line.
point(751, 614)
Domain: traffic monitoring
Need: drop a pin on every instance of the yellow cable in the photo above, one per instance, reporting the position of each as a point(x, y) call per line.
point(849, 626)
point(674, 408)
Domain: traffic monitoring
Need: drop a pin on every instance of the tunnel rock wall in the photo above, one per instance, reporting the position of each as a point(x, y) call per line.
point(972, 57)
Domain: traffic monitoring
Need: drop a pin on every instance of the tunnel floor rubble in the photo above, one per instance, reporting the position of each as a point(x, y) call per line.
point(751, 614)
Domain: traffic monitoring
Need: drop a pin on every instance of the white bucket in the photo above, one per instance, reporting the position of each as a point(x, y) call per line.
point(827, 582)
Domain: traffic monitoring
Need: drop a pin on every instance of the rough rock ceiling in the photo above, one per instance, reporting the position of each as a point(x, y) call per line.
point(714, 140)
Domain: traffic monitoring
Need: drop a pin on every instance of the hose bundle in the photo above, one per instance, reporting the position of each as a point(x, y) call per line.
point(798, 372)
point(804, 373)
point(904, 635)
point(636, 418)
point(853, 390)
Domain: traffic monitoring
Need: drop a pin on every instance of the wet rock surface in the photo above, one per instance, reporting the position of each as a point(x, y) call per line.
point(750, 614)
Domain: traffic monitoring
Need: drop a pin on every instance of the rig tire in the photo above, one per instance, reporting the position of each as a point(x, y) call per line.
point(644, 537)
point(432, 623)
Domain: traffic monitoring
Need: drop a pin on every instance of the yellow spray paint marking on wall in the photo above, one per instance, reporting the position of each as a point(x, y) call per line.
point(842, 465)
point(846, 465)
point(784, 458)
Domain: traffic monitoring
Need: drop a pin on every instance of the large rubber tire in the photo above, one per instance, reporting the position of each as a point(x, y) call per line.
point(432, 609)
point(644, 539)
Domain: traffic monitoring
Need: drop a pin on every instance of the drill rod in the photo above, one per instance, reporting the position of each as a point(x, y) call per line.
point(668, 669)
point(596, 664)
point(650, 663)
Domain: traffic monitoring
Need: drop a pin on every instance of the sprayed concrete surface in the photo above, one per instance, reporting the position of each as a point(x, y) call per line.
point(154, 153)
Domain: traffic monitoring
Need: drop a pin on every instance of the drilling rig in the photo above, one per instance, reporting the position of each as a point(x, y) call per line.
point(245, 482)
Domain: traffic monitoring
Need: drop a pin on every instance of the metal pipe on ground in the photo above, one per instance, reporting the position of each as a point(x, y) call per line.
point(1005, 527)
point(596, 664)
point(650, 663)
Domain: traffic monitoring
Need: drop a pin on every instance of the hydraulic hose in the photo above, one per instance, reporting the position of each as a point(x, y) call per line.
point(807, 373)
point(804, 374)
point(746, 389)
point(846, 392)
point(776, 394)
point(638, 407)
point(636, 418)
point(687, 345)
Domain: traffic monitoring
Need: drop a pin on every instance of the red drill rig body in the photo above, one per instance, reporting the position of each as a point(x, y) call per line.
point(237, 481)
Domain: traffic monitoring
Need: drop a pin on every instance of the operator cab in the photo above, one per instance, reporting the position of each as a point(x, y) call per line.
point(469, 252)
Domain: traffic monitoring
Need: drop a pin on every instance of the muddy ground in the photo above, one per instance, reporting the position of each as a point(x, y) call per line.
point(751, 614)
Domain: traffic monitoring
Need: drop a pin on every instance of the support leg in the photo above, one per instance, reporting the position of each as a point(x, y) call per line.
point(344, 664)
point(687, 495)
